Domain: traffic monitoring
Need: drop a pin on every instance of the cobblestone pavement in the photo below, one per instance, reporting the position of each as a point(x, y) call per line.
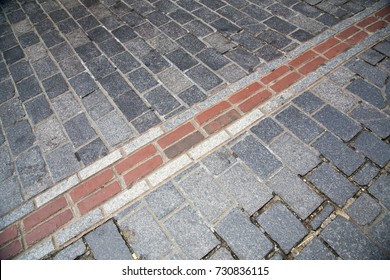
point(309, 179)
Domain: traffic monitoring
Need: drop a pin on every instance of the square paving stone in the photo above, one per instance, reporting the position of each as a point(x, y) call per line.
point(301, 35)
point(257, 157)
point(342, 156)
point(212, 59)
point(267, 130)
point(11, 196)
point(373, 119)
point(203, 77)
point(20, 137)
point(99, 34)
point(141, 79)
point(373, 148)
point(315, 250)
point(191, 43)
point(206, 195)
point(250, 194)
point(333, 184)
point(367, 92)
point(371, 56)
point(181, 16)
point(278, 220)
point(194, 238)
point(256, 12)
point(131, 105)
point(219, 161)
point(157, 18)
point(44, 67)
point(181, 59)
point(147, 31)
point(11, 112)
point(83, 84)
point(155, 62)
point(280, 25)
point(28, 88)
point(219, 42)
point(124, 33)
point(71, 66)
point(274, 38)
point(49, 134)
point(243, 58)
point(381, 190)
point(100, 67)
point(146, 121)
point(162, 100)
point(163, 44)
point(115, 84)
point(380, 233)
point(174, 80)
point(173, 30)
point(192, 95)
point(55, 85)
point(133, 19)
point(111, 22)
point(62, 162)
point(88, 22)
point(198, 28)
point(248, 41)
point(206, 14)
point(107, 243)
point(8, 41)
point(300, 124)
point(350, 242)
point(79, 130)
point(13, 55)
point(52, 38)
point(232, 73)
point(92, 152)
point(125, 62)
point(6, 164)
point(308, 102)
point(87, 51)
point(364, 210)
point(66, 106)
point(243, 237)
point(164, 200)
point(38, 109)
point(20, 70)
point(138, 47)
point(97, 104)
point(364, 176)
point(68, 25)
point(28, 39)
point(111, 47)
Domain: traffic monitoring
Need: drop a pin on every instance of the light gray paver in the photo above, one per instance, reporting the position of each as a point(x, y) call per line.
point(72, 251)
point(219, 161)
point(221, 254)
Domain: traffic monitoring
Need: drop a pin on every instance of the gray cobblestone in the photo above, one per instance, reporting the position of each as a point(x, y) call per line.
point(367, 92)
point(20, 137)
point(72, 251)
point(373, 119)
point(146, 121)
point(131, 105)
point(79, 130)
point(321, 216)
point(83, 84)
point(62, 162)
point(379, 233)
point(341, 76)
point(11, 112)
point(49, 134)
point(28, 88)
point(115, 84)
point(141, 79)
point(66, 106)
point(162, 101)
point(371, 56)
point(243, 237)
point(221, 254)
point(92, 152)
point(38, 109)
point(192, 95)
point(380, 189)
point(11, 196)
point(364, 210)
point(243, 58)
point(267, 130)
point(308, 102)
point(315, 250)
point(203, 77)
point(6, 165)
point(19, 70)
point(219, 161)
point(368, 72)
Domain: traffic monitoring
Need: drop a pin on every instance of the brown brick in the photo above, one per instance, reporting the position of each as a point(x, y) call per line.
point(11, 250)
point(348, 32)
point(276, 74)
point(184, 144)
point(175, 135)
point(384, 12)
point(8, 234)
point(326, 45)
point(366, 22)
point(245, 93)
point(222, 121)
point(286, 82)
point(358, 37)
point(142, 170)
point(312, 65)
point(336, 50)
point(376, 26)
point(135, 158)
point(306, 56)
point(254, 101)
point(212, 112)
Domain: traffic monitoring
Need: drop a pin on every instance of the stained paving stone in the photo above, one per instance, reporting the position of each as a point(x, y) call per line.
point(364, 210)
point(232, 73)
point(221, 254)
point(131, 105)
point(11, 112)
point(62, 162)
point(342, 156)
point(164, 200)
point(83, 84)
point(257, 157)
point(198, 28)
point(250, 194)
point(220, 43)
point(379, 233)
point(146, 121)
point(11, 196)
point(308, 102)
point(20, 70)
point(367, 92)
point(373, 148)
point(333, 184)
point(20, 137)
point(349, 241)
point(28, 88)
point(66, 106)
point(141, 79)
point(219, 161)
point(373, 119)
point(380, 189)
point(300, 124)
point(322, 216)
point(294, 154)
point(92, 152)
point(203, 77)
point(106, 243)
point(315, 250)
point(49, 134)
point(147, 31)
point(192, 95)
point(276, 221)
point(206, 195)
point(97, 104)
point(194, 238)
point(6, 164)
point(79, 130)
point(38, 109)
point(72, 251)
point(162, 100)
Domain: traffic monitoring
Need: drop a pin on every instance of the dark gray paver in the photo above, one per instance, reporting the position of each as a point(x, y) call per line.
point(11, 196)
point(131, 105)
point(6, 165)
point(20, 137)
point(141, 79)
point(164, 200)
point(371, 56)
point(333, 184)
point(7, 90)
point(72, 251)
point(364, 210)
point(19, 70)
point(295, 192)
point(191, 234)
point(373, 148)
point(243, 237)
point(368, 72)
point(380, 234)
point(381, 190)
point(28, 88)
point(321, 216)
point(221, 254)
point(125, 62)
point(192, 95)
point(155, 62)
point(203, 77)
point(338, 123)
point(145, 236)
point(55, 85)
point(308, 102)
point(97, 104)
point(13, 55)
point(79, 130)
point(219, 42)
point(11, 112)
point(181, 59)
point(349, 241)
point(62, 162)
point(257, 157)
point(373, 119)
point(366, 174)
point(92, 151)
point(38, 109)
point(83, 84)
point(161, 100)
point(100, 67)
point(212, 59)
point(219, 161)
point(146, 121)
point(115, 84)
point(250, 194)
point(315, 250)
point(367, 92)
point(346, 159)
point(106, 243)
point(276, 221)
point(243, 58)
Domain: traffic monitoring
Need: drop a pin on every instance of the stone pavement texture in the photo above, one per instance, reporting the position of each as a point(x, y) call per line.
point(194, 129)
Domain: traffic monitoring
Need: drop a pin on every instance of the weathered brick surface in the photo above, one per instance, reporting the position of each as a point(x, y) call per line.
point(135, 158)
point(175, 135)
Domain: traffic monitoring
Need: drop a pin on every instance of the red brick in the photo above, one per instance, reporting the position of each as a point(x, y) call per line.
point(222, 121)
point(8, 234)
point(312, 65)
point(348, 32)
point(303, 58)
point(135, 158)
point(366, 22)
point(44, 212)
point(184, 144)
point(286, 82)
point(245, 93)
point(11, 250)
point(175, 135)
point(142, 170)
point(376, 26)
point(385, 11)
point(255, 101)
point(212, 112)
point(98, 198)
point(356, 38)
point(336, 50)
point(326, 45)
point(277, 73)
point(48, 227)
point(91, 185)
point(387, 18)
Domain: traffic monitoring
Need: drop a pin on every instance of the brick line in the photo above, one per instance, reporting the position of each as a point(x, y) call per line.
point(205, 131)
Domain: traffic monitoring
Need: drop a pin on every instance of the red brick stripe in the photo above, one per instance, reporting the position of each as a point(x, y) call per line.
point(142, 170)
point(175, 135)
point(212, 112)
point(135, 158)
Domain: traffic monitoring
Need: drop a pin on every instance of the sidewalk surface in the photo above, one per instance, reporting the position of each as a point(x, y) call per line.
point(194, 129)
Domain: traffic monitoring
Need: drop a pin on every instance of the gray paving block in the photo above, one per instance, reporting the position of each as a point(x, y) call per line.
point(11, 196)
point(243, 237)
point(212, 59)
point(308, 102)
point(92, 152)
point(7, 90)
point(97, 105)
point(232, 73)
point(147, 31)
point(300, 124)
point(341, 76)
point(125, 62)
point(11, 112)
point(66, 106)
point(79, 130)
point(131, 105)
point(124, 33)
point(274, 38)
point(161, 100)
point(206, 14)
point(225, 27)
point(6, 164)
point(55, 86)
point(243, 58)
point(383, 48)
point(173, 30)
point(364, 176)
point(50, 134)
point(106, 243)
point(373, 148)
point(338, 123)
point(146, 121)
point(20, 137)
point(207, 196)
point(257, 157)
point(371, 56)
point(155, 62)
point(174, 80)
point(380, 234)
point(141, 79)
point(342, 156)
point(295, 192)
point(349, 241)
point(219, 42)
point(38, 109)
point(145, 236)
point(373, 119)
point(198, 28)
point(164, 200)
point(364, 210)
point(88, 51)
point(321, 216)
point(315, 250)
point(71, 66)
point(367, 92)
point(163, 44)
point(191, 43)
point(219, 161)
point(250, 194)
point(62, 162)
point(294, 154)
point(19, 70)
point(267, 130)
point(332, 184)
point(13, 55)
point(380, 189)
point(83, 84)
point(203, 77)
point(181, 59)
point(280, 25)
point(368, 72)
point(192, 95)
point(100, 67)
point(115, 84)
point(194, 238)
point(278, 220)
point(28, 88)
point(221, 254)
point(268, 53)
point(72, 251)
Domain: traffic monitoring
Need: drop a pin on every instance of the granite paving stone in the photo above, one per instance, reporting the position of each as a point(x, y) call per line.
point(364, 210)
point(71, 66)
point(97, 104)
point(219, 161)
point(13, 55)
point(62, 51)
point(163, 44)
point(100, 67)
point(192, 95)
point(371, 56)
point(131, 105)
point(111, 47)
point(174, 80)
point(83, 84)
point(79, 130)
point(124, 33)
point(212, 59)
point(62, 162)
point(373, 119)
point(66, 106)
point(50, 134)
point(379, 233)
point(28, 88)
point(232, 73)
point(243, 58)
point(276, 221)
point(364, 176)
point(55, 85)
point(115, 84)
point(141, 79)
point(173, 30)
point(198, 28)
point(315, 250)
point(308, 102)
point(203, 77)
point(11, 196)
point(191, 43)
point(221, 254)
point(6, 164)
point(155, 62)
point(20, 137)
point(322, 216)
point(146, 121)
point(243, 237)
point(383, 47)
point(92, 152)
point(20, 70)
point(368, 72)
point(11, 112)
point(72, 251)
point(219, 42)
point(38, 109)
point(27, 39)
point(181, 59)
point(380, 189)
point(367, 92)
point(161, 100)
point(125, 62)
point(147, 30)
